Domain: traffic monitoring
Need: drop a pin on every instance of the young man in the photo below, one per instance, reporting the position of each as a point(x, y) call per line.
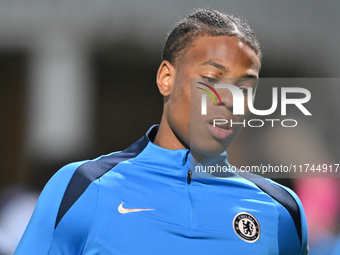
point(144, 200)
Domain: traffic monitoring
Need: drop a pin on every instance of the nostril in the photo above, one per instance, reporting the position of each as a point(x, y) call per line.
point(223, 104)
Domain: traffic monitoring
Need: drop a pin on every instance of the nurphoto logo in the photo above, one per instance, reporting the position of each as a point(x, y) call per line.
point(239, 102)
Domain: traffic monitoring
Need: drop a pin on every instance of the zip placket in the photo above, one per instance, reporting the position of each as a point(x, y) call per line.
point(189, 176)
point(186, 164)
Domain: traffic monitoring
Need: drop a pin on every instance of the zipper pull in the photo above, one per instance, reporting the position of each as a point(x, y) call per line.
point(189, 176)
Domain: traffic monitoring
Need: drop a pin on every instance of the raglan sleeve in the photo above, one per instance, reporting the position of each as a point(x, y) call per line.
point(41, 236)
point(302, 229)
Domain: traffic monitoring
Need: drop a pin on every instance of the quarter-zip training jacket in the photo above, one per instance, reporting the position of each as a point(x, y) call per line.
point(144, 200)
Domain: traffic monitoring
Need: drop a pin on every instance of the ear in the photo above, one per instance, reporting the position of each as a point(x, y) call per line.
point(165, 77)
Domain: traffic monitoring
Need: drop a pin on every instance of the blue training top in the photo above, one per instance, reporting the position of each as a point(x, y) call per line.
point(143, 201)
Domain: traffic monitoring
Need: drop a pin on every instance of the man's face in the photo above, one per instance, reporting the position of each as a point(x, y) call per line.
point(207, 59)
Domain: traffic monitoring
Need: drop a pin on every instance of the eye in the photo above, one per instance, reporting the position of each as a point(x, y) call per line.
point(245, 91)
point(210, 80)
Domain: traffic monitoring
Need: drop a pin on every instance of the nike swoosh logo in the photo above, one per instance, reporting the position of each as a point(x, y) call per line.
point(123, 210)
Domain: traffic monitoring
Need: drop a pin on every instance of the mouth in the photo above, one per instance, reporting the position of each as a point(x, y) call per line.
point(220, 129)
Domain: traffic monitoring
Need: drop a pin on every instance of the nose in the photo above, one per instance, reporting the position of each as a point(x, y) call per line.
point(232, 98)
point(226, 98)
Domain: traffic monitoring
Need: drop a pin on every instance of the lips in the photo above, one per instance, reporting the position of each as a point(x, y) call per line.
point(220, 131)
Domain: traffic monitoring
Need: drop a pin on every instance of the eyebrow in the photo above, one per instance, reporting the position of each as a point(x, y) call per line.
point(217, 65)
point(225, 70)
point(250, 76)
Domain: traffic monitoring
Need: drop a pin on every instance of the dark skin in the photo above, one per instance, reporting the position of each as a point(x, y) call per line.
point(213, 57)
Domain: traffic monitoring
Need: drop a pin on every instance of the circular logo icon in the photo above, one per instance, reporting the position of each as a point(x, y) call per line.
point(247, 227)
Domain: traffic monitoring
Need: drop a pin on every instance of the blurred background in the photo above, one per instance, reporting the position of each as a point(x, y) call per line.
point(77, 80)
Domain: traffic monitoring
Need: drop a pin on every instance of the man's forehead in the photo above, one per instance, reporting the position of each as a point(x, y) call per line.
point(220, 47)
point(222, 52)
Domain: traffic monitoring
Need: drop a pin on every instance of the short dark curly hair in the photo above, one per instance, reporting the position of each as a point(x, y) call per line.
point(207, 22)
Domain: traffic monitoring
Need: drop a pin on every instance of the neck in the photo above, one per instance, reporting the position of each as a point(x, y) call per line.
point(167, 138)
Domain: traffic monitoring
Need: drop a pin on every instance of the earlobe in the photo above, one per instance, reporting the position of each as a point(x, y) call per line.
point(165, 76)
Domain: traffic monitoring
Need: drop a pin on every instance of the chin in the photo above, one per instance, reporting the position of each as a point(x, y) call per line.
point(209, 148)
